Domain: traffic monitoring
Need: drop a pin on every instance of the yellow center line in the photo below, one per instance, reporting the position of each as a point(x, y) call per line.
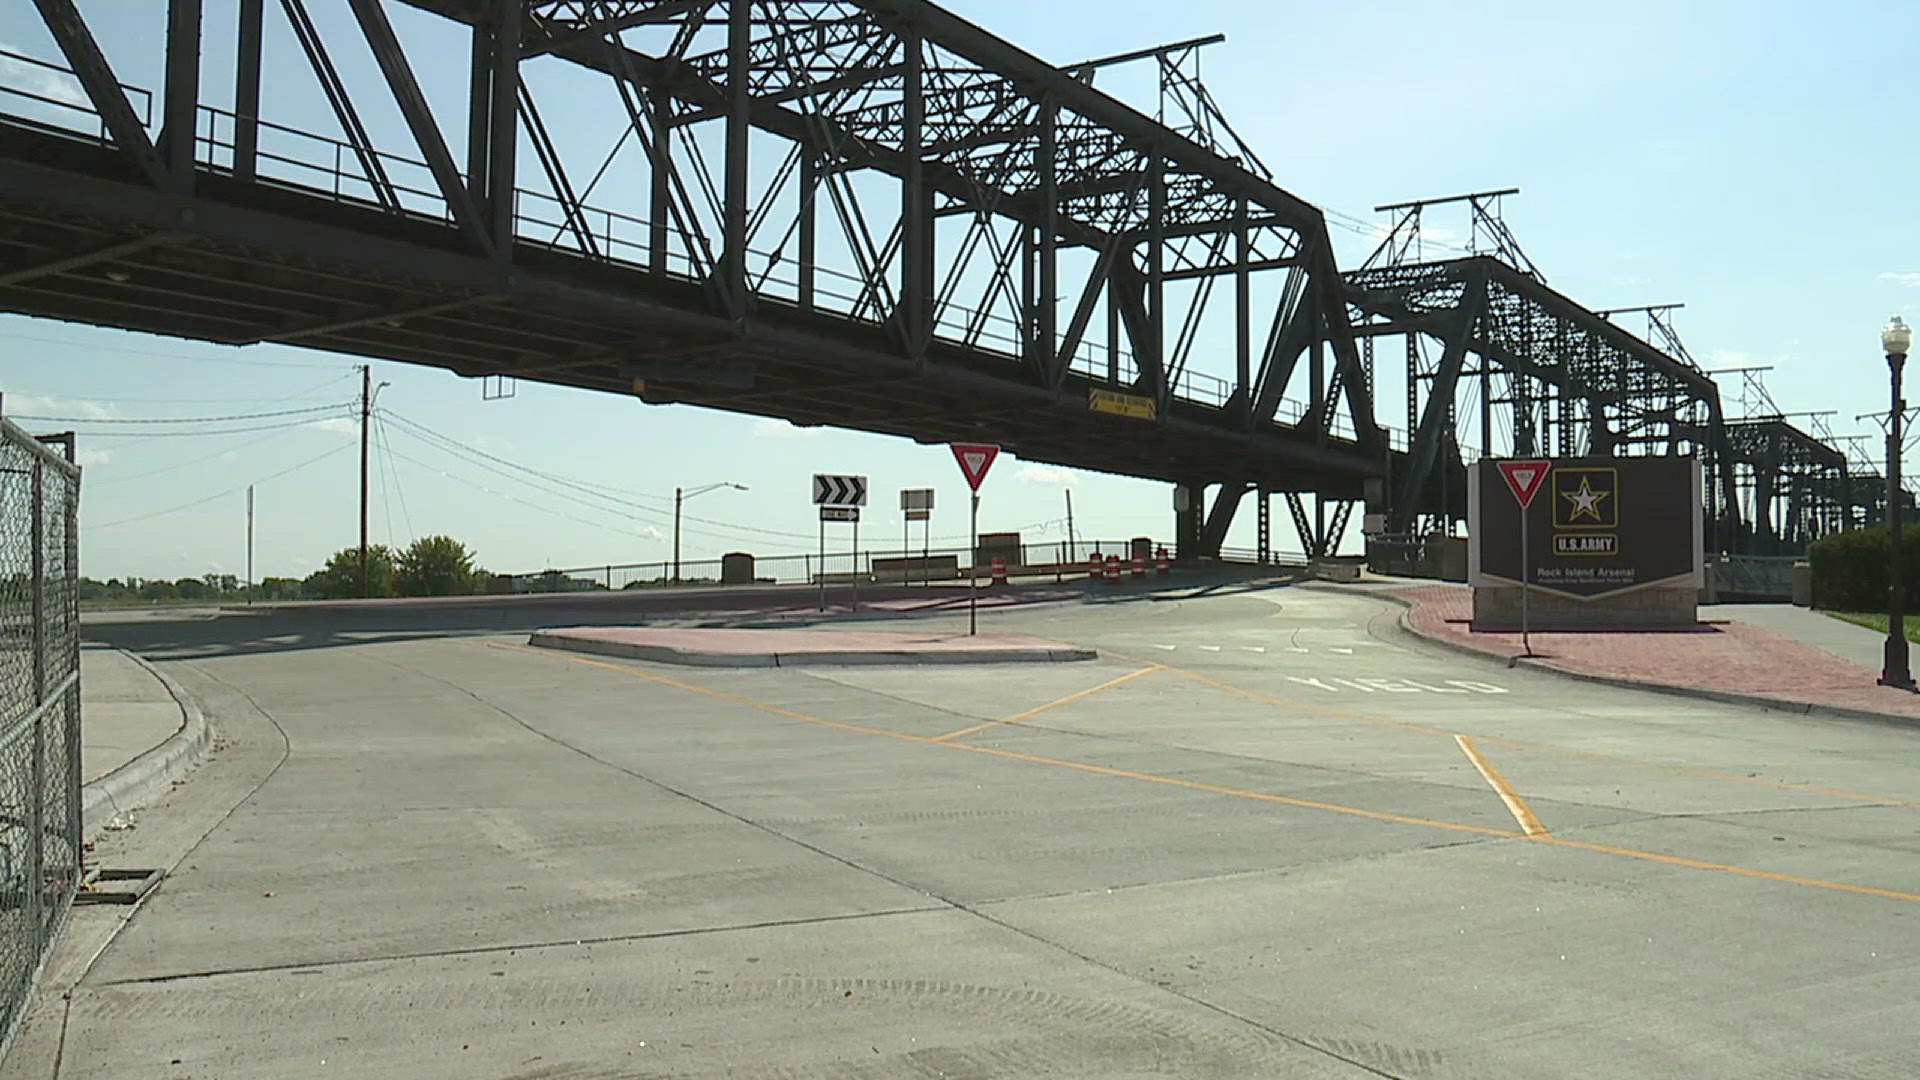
point(1522, 744)
point(1515, 804)
point(1240, 793)
point(1014, 755)
point(1054, 704)
point(1742, 871)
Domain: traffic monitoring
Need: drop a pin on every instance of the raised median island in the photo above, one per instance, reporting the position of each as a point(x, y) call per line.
point(792, 648)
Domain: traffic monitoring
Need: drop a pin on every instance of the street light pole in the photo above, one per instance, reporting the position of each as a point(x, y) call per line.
point(1895, 340)
point(680, 497)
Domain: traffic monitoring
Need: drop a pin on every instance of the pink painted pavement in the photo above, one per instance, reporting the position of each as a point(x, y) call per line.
point(1724, 656)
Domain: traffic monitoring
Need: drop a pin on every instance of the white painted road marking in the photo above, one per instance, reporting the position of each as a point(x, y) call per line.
point(1255, 648)
point(1399, 686)
point(1209, 648)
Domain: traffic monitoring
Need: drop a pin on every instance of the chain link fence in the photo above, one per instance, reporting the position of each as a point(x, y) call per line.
point(39, 709)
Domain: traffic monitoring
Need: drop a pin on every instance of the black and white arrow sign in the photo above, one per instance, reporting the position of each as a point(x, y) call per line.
point(839, 490)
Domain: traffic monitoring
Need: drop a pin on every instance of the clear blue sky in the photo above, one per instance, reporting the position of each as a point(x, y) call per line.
point(1754, 160)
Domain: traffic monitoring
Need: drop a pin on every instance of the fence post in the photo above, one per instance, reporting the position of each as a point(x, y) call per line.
point(35, 871)
point(70, 512)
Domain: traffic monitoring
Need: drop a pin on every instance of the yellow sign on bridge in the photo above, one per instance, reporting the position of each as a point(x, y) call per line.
point(1118, 404)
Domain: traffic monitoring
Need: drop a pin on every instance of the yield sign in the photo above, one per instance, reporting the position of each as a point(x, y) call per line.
point(1525, 478)
point(975, 459)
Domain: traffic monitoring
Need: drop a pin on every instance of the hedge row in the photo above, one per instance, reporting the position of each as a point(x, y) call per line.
point(1850, 568)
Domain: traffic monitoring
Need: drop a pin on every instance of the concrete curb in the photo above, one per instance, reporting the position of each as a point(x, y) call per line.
point(668, 654)
point(1724, 697)
point(146, 777)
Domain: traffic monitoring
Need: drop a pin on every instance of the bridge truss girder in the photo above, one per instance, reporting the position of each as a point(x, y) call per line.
point(1791, 487)
point(989, 210)
point(1554, 379)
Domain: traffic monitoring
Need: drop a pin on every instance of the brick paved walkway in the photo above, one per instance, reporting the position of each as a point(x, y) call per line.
point(1721, 655)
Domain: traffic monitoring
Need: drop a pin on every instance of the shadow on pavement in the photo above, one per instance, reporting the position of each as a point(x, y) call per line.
point(193, 633)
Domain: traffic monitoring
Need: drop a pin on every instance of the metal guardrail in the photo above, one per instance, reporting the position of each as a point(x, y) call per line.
point(39, 710)
point(1058, 558)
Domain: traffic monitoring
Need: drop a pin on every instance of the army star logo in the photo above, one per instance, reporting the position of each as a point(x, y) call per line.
point(1586, 502)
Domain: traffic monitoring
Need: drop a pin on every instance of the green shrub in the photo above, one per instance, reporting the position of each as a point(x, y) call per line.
point(1850, 568)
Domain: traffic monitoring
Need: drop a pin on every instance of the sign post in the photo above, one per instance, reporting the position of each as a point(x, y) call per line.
point(1525, 479)
point(916, 504)
point(839, 499)
point(974, 460)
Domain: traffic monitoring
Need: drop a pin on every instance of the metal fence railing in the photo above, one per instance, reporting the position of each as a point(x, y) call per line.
point(880, 564)
point(39, 709)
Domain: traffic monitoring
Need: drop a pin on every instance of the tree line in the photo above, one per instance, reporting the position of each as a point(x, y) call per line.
point(430, 566)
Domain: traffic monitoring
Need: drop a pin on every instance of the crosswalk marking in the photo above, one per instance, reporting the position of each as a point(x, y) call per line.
point(1398, 686)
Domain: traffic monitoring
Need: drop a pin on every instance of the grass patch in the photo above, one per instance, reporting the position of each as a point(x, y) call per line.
point(1876, 621)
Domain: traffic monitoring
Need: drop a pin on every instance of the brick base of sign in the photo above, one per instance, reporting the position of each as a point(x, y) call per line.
point(1498, 608)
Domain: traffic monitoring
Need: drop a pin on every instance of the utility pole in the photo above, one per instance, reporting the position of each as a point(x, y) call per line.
point(366, 411)
point(1071, 554)
point(249, 543)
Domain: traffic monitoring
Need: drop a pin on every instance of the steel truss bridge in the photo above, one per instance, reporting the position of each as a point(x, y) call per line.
point(870, 214)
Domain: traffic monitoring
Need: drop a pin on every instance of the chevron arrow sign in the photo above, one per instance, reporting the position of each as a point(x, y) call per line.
point(839, 490)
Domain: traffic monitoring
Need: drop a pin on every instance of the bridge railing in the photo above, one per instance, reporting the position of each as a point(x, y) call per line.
point(51, 96)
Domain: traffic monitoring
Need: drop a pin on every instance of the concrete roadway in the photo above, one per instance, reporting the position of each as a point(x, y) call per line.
point(1263, 836)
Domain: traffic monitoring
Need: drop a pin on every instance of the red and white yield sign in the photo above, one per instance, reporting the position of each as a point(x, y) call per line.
point(1525, 479)
point(975, 459)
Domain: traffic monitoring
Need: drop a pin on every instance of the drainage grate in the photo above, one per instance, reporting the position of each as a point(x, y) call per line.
point(117, 886)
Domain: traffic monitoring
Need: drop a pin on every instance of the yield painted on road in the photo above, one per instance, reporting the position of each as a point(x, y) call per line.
point(1398, 686)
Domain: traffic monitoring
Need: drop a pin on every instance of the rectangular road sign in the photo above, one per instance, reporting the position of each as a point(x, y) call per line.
point(839, 513)
point(1114, 403)
point(916, 498)
point(919, 515)
point(829, 490)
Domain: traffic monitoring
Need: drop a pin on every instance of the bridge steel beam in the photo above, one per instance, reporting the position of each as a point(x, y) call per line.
point(765, 126)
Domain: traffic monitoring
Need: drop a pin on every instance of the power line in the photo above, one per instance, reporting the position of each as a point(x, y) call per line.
point(393, 471)
point(217, 495)
point(510, 498)
point(450, 445)
point(154, 353)
point(273, 433)
point(459, 450)
point(58, 397)
point(144, 435)
point(175, 419)
point(422, 429)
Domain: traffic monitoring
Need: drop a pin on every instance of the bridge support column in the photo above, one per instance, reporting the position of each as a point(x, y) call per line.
point(1263, 539)
point(1189, 520)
